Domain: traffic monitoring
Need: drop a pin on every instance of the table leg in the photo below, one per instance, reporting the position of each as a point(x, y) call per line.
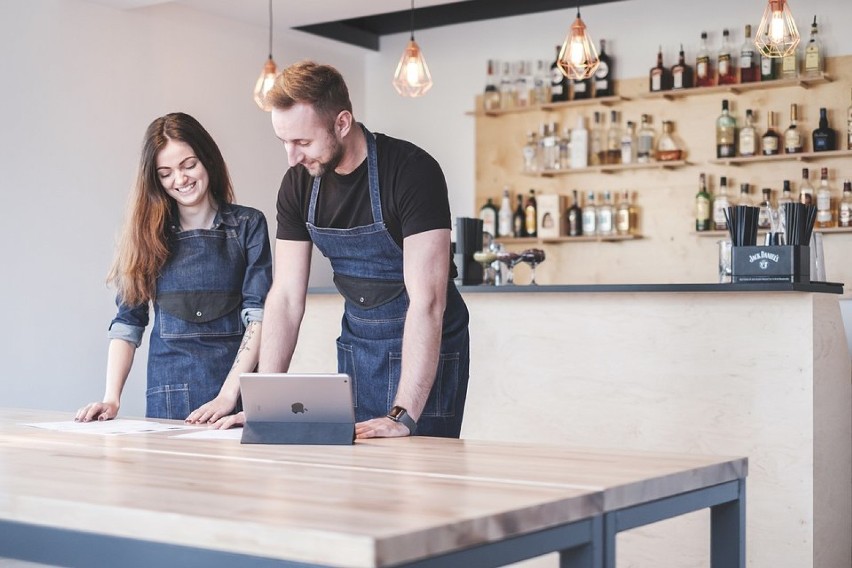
point(727, 532)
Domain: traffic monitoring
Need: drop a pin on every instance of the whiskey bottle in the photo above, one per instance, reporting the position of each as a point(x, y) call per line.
point(749, 61)
point(559, 83)
point(849, 128)
point(745, 196)
point(628, 144)
point(606, 215)
point(575, 217)
point(748, 136)
point(704, 73)
point(768, 68)
point(786, 197)
point(625, 215)
point(764, 216)
point(519, 228)
point(660, 78)
point(814, 55)
point(581, 89)
point(793, 141)
point(770, 141)
point(844, 206)
point(824, 217)
point(531, 215)
point(725, 63)
point(667, 149)
point(523, 84)
point(549, 147)
point(580, 144)
point(645, 141)
point(603, 74)
point(790, 64)
point(682, 74)
point(488, 214)
point(806, 190)
point(824, 137)
point(504, 216)
point(531, 153)
point(703, 203)
point(597, 151)
point(507, 88)
point(541, 83)
point(491, 96)
point(720, 204)
point(613, 139)
point(590, 215)
point(726, 133)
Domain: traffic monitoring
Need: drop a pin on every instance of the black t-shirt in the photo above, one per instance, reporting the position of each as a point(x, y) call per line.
point(411, 184)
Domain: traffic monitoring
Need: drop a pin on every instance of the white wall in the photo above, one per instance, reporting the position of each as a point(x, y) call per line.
point(81, 82)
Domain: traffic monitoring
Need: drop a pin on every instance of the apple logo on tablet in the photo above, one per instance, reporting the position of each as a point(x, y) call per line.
point(298, 408)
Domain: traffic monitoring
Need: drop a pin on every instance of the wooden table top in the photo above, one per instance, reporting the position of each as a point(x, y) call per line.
point(376, 503)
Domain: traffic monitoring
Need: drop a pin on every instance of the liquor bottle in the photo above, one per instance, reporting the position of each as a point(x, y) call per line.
point(844, 206)
point(814, 54)
point(590, 215)
point(531, 153)
point(597, 150)
point(748, 136)
point(581, 89)
point(726, 133)
point(764, 216)
point(531, 215)
point(606, 216)
point(504, 216)
point(682, 74)
point(488, 214)
point(523, 84)
point(575, 217)
point(768, 68)
point(806, 190)
point(580, 145)
point(549, 147)
point(704, 73)
point(786, 197)
point(824, 137)
point(702, 206)
point(824, 217)
point(603, 74)
point(645, 140)
point(745, 196)
point(849, 127)
point(793, 140)
point(564, 144)
point(491, 97)
point(559, 83)
point(541, 83)
point(667, 149)
point(519, 228)
point(660, 78)
point(625, 215)
point(749, 61)
point(725, 63)
point(770, 141)
point(613, 140)
point(628, 144)
point(790, 64)
point(507, 88)
point(720, 204)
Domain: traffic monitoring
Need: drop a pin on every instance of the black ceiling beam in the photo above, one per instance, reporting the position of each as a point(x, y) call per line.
point(366, 31)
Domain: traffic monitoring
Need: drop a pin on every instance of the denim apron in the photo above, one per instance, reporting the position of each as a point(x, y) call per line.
point(368, 272)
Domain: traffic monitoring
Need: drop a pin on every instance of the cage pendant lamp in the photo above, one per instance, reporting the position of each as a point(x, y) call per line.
point(578, 58)
point(777, 34)
point(267, 75)
point(412, 77)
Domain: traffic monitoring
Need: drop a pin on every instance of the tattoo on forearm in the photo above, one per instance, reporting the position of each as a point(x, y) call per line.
point(252, 327)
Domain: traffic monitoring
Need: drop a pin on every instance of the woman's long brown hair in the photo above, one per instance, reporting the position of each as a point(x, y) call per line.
point(144, 245)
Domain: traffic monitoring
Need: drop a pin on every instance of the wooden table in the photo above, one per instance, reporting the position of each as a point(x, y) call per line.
point(142, 500)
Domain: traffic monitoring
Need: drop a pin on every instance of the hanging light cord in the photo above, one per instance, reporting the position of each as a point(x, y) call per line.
point(270, 29)
point(412, 20)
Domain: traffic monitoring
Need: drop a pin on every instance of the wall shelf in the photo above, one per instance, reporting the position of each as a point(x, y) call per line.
point(580, 239)
point(551, 107)
point(800, 157)
point(738, 88)
point(610, 168)
point(717, 234)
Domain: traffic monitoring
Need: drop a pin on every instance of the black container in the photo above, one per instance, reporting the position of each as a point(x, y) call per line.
point(468, 241)
point(771, 264)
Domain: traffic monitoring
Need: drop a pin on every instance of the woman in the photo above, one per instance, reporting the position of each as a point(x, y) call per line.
point(205, 264)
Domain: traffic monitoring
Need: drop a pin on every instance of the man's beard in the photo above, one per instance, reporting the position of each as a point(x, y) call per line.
point(333, 161)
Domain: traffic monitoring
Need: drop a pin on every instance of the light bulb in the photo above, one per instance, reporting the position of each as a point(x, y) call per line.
point(412, 77)
point(264, 84)
point(777, 34)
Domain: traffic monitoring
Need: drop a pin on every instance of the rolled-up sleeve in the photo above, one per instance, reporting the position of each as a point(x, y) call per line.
point(258, 277)
point(129, 323)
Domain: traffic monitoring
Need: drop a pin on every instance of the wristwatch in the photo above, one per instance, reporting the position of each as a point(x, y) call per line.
point(401, 415)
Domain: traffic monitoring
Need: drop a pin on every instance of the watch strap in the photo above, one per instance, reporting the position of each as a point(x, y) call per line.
point(401, 415)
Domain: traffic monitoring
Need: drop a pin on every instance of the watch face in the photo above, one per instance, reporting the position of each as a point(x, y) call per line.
point(396, 412)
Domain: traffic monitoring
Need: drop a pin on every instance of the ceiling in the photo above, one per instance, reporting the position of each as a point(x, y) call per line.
point(363, 22)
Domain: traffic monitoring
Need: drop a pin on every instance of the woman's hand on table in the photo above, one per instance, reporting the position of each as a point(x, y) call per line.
point(210, 412)
point(97, 411)
point(230, 421)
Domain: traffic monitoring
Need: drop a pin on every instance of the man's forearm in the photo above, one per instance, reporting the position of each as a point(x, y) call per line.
point(280, 333)
point(421, 346)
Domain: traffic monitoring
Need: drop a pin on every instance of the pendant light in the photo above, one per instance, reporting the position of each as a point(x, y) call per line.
point(267, 76)
point(777, 35)
point(578, 58)
point(412, 77)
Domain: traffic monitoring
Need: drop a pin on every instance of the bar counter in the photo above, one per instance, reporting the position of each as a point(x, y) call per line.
point(759, 370)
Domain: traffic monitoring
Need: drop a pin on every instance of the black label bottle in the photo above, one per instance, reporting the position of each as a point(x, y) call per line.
point(703, 203)
point(488, 214)
point(660, 78)
point(824, 137)
point(574, 217)
point(531, 215)
point(682, 74)
point(770, 142)
point(559, 83)
point(519, 228)
point(603, 74)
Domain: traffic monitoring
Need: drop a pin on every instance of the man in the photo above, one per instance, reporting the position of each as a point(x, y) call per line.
point(377, 207)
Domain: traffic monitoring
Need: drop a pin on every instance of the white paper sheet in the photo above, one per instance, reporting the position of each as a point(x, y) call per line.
point(116, 427)
point(213, 434)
